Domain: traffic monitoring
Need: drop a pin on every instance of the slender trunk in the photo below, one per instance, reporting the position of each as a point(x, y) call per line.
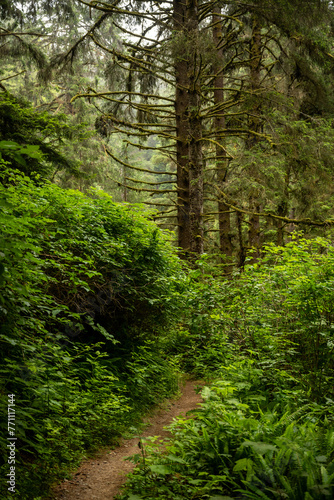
point(282, 209)
point(254, 240)
point(292, 227)
point(225, 243)
point(182, 148)
point(254, 122)
point(125, 198)
point(242, 252)
point(195, 131)
point(254, 125)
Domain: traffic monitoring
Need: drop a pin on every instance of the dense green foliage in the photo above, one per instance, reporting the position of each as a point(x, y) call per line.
point(86, 284)
point(265, 429)
point(39, 134)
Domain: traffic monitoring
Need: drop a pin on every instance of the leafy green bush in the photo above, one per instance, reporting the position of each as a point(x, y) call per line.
point(96, 260)
point(85, 284)
point(281, 309)
point(284, 307)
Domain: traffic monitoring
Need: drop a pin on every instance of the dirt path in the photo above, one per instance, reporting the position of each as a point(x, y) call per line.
point(101, 478)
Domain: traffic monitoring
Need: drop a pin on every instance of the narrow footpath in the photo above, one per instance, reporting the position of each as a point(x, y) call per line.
point(100, 478)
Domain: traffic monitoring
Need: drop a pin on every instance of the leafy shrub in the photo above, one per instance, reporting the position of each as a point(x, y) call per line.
point(101, 261)
point(280, 309)
point(85, 283)
point(284, 306)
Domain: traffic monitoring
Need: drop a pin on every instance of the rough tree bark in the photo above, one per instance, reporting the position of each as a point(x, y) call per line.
point(254, 125)
point(282, 209)
point(224, 220)
point(181, 117)
point(187, 67)
point(195, 130)
point(242, 252)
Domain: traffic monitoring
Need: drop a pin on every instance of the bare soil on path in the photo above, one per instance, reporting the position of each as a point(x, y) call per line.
point(100, 478)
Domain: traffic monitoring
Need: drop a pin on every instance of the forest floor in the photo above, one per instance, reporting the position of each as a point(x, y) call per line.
point(101, 477)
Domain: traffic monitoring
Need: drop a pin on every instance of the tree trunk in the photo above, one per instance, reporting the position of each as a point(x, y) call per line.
point(125, 193)
point(242, 252)
point(254, 240)
point(254, 125)
point(224, 220)
point(282, 209)
point(195, 131)
point(254, 122)
point(182, 147)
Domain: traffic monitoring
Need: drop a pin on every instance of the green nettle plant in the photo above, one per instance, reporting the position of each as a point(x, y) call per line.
point(86, 285)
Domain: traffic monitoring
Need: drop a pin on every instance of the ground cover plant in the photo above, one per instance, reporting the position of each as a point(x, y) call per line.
point(86, 286)
point(265, 428)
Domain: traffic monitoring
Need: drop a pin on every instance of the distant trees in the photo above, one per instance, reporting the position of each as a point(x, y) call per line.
point(213, 92)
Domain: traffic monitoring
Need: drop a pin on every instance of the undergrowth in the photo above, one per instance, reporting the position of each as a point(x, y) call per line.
point(265, 427)
point(87, 288)
point(97, 319)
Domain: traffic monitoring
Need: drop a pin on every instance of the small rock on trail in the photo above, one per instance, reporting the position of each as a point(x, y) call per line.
point(101, 478)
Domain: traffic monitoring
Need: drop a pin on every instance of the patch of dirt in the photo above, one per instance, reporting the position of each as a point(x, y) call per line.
point(100, 478)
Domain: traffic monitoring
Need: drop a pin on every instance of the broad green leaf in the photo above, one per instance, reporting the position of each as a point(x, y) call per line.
point(220, 497)
point(160, 469)
point(243, 464)
point(260, 447)
point(9, 145)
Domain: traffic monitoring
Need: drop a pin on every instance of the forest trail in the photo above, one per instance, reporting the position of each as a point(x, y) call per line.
point(100, 478)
